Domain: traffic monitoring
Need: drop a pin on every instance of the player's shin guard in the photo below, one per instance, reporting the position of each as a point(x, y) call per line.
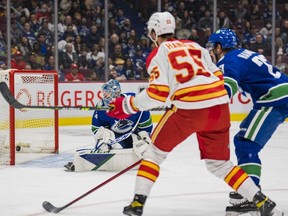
point(136, 207)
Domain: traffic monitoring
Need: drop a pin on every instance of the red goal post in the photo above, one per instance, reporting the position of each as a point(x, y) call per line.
point(29, 130)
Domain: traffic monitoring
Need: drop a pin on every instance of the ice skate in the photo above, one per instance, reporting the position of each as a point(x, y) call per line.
point(136, 207)
point(247, 208)
point(266, 206)
point(240, 206)
point(70, 167)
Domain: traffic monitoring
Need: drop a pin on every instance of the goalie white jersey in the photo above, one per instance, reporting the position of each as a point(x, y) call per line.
point(187, 79)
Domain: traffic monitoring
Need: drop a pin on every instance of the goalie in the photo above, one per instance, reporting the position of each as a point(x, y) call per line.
point(118, 142)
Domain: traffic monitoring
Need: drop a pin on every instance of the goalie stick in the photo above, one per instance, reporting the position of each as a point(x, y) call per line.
point(5, 91)
point(124, 136)
point(51, 208)
point(17, 105)
point(119, 139)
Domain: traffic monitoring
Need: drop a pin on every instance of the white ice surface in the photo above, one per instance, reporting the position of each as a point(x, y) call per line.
point(183, 188)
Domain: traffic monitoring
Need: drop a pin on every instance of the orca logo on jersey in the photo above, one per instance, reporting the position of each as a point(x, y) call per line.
point(122, 126)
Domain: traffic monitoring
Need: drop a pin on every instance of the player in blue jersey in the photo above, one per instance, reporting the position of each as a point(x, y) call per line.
point(135, 132)
point(251, 73)
point(141, 120)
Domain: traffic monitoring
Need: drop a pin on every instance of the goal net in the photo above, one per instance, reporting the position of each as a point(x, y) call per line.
point(28, 130)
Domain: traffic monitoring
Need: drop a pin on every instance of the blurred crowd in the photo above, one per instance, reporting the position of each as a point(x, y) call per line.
point(81, 43)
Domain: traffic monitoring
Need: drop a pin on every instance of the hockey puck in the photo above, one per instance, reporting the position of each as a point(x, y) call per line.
point(18, 148)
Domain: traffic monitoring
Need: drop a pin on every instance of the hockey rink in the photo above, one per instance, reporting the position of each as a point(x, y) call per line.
point(184, 187)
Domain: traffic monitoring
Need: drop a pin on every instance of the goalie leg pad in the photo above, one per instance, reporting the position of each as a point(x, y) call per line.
point(80, 164)
point(139, 147)
point(140, 143)
point(145, 136)
point(115, 160)
point(122, 159)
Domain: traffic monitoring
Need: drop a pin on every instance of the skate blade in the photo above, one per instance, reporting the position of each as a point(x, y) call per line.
point(232, 214)
point(252, 213)
point(255, 213)
point(277, 212)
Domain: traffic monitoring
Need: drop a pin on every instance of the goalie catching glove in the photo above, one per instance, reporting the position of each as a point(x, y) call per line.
point(140, 143)
point(122, 107)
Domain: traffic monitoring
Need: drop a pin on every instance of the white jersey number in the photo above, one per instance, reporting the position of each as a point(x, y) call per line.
point(260, 60)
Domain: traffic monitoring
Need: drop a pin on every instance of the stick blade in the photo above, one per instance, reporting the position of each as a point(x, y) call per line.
point(50, 208)
point(9, 97)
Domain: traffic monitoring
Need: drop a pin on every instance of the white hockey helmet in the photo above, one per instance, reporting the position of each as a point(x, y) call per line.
point(161, 23)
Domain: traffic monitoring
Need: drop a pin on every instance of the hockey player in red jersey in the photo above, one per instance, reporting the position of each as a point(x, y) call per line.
point(182, 73)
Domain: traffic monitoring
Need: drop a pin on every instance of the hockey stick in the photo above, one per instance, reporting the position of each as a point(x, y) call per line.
point(119, 139)
point(17, 105)
point(51, 208)
point(5, 91)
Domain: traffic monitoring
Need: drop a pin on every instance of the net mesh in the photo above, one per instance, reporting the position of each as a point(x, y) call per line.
point(31, 130)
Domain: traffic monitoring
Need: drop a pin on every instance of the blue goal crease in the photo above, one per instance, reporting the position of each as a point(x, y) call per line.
point(50, 161)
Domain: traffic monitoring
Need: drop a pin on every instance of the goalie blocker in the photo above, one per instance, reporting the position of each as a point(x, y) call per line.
point(106, 158)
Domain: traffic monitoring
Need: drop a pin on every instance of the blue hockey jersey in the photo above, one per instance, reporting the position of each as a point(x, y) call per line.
point(250, 72)
point(122, 126)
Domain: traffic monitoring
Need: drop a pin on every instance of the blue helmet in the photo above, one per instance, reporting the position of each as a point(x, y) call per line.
point(110, 90)
point(226, 37)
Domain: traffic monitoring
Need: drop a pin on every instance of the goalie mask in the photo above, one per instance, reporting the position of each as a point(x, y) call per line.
point(110, 90)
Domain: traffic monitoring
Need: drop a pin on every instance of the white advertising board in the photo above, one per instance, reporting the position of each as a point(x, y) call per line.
point(88, 94)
